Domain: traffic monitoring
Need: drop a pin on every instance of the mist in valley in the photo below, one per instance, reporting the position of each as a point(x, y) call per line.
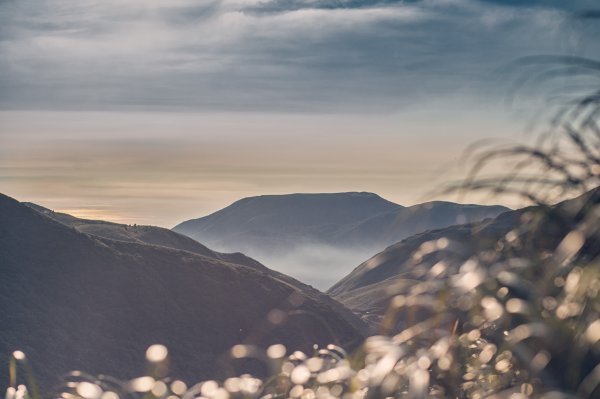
point(315, 264)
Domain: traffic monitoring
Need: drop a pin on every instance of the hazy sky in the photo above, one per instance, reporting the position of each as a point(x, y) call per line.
point(155, 111)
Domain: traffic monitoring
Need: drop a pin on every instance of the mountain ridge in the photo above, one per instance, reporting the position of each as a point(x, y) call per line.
point(313, 236)
point(370, 286)
point(72, 300)
point(140, 234)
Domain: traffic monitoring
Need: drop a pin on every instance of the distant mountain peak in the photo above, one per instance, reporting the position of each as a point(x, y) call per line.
point(312, 196)
point(281, 210)
point(309, 235)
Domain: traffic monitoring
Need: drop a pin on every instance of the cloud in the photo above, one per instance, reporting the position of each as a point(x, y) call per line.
point(318, 265)
point(293, 55)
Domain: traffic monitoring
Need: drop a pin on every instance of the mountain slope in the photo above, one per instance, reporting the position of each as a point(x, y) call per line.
point(297, 216)
point(314, 237)
point(75, 301)
point(150, 235)
point(388, 228)
point(369, 287)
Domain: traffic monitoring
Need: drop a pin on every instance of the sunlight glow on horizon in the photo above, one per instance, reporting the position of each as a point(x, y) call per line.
point(97, 166)
point(106, 215)
point(162, 168)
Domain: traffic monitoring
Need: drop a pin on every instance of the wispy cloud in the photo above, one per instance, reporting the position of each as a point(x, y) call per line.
point(265, 55)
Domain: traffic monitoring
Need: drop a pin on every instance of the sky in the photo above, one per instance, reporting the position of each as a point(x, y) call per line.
point(158, 111)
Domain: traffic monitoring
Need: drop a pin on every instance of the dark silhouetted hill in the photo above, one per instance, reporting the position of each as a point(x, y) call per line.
point(368, 289)
point(71, 300)
point(139, 234)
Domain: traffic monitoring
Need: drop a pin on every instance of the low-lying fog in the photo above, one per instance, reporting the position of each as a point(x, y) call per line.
point(315, 264)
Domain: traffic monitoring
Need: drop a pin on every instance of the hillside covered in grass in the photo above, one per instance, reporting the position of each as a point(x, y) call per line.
point(71, 301)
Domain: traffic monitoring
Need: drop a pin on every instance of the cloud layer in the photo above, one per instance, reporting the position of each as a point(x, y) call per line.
point(306, 55)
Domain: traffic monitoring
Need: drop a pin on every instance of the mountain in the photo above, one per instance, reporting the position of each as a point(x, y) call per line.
point(313, 237)
point(151, 235)
point(368, 289)
point(72, 300)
